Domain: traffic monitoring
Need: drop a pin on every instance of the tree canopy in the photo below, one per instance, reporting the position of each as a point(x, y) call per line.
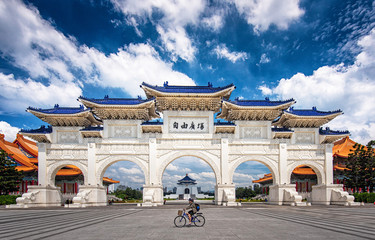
point(360, 173)
point(10, 178)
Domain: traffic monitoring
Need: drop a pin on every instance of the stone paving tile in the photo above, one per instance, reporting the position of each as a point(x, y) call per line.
point(267, 222)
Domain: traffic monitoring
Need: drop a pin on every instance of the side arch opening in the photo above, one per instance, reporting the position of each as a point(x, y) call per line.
point(252, 180)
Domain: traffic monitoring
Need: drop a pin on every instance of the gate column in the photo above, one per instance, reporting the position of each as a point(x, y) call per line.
point(282, 192)
point(93, 193)
point(225, 191)
point(153, 190)
point(45, 194)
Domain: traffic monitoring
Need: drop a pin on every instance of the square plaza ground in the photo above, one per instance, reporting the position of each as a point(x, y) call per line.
point(251, 221)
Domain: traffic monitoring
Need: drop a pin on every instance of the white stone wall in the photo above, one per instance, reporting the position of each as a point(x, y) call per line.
point(124, 140)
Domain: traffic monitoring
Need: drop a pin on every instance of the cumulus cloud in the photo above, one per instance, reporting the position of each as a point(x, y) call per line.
point(222, 51)
point(130, 170)
point(264, 59)
point(9, 131)
point(132, 65)
point(262, 14)
point(350, 88)
point(18, 94)
point(215, 22)
point(53, 61)
point(173, 17)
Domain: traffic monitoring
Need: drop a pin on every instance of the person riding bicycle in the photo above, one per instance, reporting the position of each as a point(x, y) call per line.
point(193, 208)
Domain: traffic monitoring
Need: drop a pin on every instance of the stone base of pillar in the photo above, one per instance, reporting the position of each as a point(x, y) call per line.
point(285, 194)
point(152, 195)
point(331, 194)
point(39, 196)
point(90, 196)
point(225, 194)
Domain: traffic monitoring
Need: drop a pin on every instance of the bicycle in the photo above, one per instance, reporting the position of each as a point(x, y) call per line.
point(197, 219)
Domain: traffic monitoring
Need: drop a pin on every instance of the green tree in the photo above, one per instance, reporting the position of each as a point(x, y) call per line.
point(360, 167)
point(10, 178)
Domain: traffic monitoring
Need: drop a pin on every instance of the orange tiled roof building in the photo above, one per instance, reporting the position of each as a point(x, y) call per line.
point(304, 177)
point(25, 153)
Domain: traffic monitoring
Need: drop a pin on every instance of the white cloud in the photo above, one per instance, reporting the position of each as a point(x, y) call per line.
point(130, 170)
point(174, 17)
point(264, 59)
point(18, 94)
point(264, 13)
point(265, 90)
point(9, 131)
point(350, 88)
point(53, 60)
point(177, 43)
point(215, 22)
point(132, 65)
point(35, 46)
point(222, 51)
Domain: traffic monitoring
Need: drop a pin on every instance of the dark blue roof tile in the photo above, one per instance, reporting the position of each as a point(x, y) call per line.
point(187, 89)
point(117, 101)
point(92, 128)
point(276, 129)
point(220, 123)
point(311, 112)
point(43, 130)
point(152, 123)
point(328, 131)
point(60, 110)
point(264, 103)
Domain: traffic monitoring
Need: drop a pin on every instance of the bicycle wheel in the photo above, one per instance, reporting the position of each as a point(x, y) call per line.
point(180, 221)
point(199, 221)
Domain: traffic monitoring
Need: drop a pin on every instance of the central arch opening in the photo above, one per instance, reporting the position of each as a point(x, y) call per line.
point(188, 177)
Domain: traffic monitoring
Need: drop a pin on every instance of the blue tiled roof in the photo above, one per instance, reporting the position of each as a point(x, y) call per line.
point(60, 110)
point(187, 89)
point(43, 129)
point(91, 128)
point(310, 112)
point(152, 123)
point(276, 129)
point(328, 131)
point(116, 101)
point(186, 179)
point(265, 103)
point(220, 123)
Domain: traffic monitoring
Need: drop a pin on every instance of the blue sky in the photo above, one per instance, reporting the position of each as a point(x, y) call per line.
point(319, 52)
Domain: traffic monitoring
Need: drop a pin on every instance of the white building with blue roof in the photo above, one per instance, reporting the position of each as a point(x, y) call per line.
point(186, 188)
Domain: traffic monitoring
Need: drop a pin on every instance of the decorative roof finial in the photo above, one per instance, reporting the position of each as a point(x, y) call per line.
point(56, 105)
point(166, 84)
point(209, 84)
point(314, 108)
point(106, 97)
point(139, 97)
point(267, 99)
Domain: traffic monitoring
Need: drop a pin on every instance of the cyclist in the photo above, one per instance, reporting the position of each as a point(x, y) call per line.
point(193, 208)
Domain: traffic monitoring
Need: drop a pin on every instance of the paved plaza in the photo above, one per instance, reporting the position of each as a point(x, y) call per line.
point(251, 221)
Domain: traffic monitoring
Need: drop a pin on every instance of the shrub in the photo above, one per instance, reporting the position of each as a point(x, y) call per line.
point(8, 199)
point(371, 198)
point(364, 197)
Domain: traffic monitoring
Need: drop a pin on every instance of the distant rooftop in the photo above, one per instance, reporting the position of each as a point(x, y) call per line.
point(186, 180)
point(187, 89)
point(116, 101)
point(267, 102)
point(59, 110)
point(310, 112)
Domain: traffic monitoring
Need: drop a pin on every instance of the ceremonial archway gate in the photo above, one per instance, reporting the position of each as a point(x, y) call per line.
point(115, 129)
